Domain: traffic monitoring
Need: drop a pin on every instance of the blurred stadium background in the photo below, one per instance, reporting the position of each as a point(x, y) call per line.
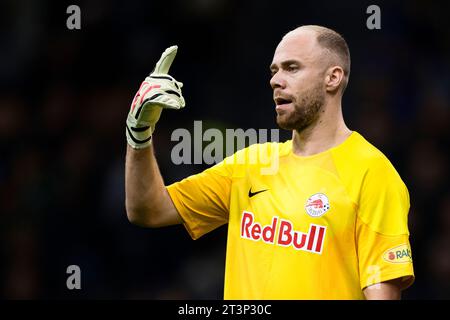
point(65, 94)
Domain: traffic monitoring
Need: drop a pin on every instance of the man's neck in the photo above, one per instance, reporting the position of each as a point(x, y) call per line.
point(327, 132)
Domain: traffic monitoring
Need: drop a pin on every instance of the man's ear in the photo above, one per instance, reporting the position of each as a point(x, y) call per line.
point(334, 78)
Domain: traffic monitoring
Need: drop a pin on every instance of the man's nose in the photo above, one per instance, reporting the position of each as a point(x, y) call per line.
point(277, 81)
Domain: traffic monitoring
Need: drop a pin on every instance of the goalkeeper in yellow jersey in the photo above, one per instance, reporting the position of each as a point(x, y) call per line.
point(331, 222)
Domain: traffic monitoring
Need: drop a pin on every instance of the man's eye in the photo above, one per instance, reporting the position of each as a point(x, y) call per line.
point(292, 68)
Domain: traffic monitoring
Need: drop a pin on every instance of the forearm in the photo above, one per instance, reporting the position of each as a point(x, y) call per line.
point(144, 186)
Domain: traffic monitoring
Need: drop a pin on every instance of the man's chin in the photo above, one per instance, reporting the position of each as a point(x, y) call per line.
point(283, 124)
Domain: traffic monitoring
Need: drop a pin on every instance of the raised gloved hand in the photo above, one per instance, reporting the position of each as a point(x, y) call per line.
point(159, 90)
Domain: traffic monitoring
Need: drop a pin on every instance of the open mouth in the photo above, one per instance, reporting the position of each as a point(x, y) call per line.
point(282, 101)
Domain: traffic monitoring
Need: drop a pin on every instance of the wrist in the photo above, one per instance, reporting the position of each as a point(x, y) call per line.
point(139, 138)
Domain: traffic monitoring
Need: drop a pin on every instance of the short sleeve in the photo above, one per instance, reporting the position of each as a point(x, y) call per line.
point(202, 200)
point(382, 234)
point(382, 258)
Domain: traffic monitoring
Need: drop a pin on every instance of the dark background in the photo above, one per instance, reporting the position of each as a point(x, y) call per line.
point(65, 94)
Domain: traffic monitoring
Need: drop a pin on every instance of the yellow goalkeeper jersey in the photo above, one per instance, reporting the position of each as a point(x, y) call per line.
point(318, 227)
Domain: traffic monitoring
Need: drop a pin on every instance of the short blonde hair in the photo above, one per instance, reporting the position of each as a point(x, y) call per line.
point(336, 45)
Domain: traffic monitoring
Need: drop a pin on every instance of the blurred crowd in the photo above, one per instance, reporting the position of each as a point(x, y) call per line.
point(65, 94)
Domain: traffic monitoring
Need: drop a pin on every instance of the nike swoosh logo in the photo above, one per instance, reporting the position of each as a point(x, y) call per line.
point(251, 194)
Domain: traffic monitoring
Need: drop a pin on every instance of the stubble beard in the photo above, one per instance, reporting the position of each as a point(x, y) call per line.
point(306, 111)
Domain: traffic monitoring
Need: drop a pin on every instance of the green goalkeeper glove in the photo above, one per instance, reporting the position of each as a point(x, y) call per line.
point(159, 90)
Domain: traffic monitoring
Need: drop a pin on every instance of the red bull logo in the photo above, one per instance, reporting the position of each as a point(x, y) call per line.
point(281, 232)
point(317, 205)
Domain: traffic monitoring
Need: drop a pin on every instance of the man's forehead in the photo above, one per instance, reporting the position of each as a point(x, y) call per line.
point(297, 44)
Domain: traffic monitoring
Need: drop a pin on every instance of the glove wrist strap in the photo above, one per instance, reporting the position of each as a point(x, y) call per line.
point(139, 138)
